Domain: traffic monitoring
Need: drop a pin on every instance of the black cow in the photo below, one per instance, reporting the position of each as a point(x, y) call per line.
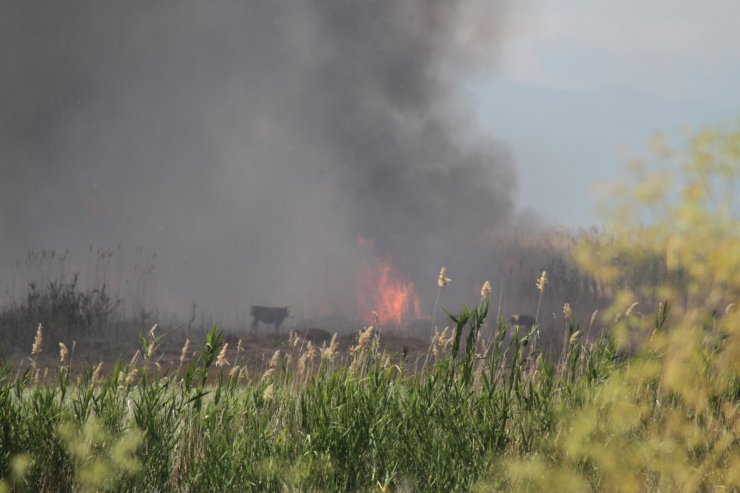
point(316, 335)
point(269, 315)
point(526, 321)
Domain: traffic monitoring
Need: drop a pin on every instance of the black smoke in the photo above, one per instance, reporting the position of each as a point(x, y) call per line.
point(250, 143)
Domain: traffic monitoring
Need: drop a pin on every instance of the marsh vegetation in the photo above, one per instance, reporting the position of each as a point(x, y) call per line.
point(642, 395)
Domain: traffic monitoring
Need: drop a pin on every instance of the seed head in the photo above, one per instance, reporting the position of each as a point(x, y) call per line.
point(440, 341)
point(485, 290)
point(574, 337)
point(63, 352)
point(221, 358)
point(568, 312)
point(268, 374)
point(269, 392)
point(310, 351)
point(134, 358)
point(593, 318)
point(184, 351)
point(330, 351)
point(435, 336)
point(442, 279)
point(275, 359)
point(542, 282)
point(36, 348)
point(302, 363)
point(306, 358)
point(444, 341)
point(96, 373)
point(131, 377)
point(364, 337)
point(632, 307)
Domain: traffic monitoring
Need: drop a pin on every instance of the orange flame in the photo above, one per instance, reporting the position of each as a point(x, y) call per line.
point(382, 291)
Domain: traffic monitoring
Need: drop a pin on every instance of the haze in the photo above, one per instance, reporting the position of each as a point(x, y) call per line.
point(258, 148)
point(253, 147)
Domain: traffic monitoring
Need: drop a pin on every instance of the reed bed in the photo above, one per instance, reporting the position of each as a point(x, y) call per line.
point(645, 396)
point(489, 412)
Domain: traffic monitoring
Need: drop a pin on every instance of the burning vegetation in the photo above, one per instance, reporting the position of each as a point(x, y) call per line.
point(383, 297)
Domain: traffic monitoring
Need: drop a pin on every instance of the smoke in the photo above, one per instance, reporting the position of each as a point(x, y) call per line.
point(249, 144)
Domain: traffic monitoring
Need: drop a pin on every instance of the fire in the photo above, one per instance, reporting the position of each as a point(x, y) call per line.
point(382, 291)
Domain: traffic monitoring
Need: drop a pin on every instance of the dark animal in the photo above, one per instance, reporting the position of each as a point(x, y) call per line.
point(525, 321)
point(269, 315)
point(316, 335)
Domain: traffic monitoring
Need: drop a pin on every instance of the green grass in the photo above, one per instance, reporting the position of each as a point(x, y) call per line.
point(481, 407)
point(357, 426)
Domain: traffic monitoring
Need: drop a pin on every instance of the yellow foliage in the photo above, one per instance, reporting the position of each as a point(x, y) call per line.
point(99, 458)
point(668, 420)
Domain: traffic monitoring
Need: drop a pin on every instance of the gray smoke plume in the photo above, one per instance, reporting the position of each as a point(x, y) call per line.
point(249, 144)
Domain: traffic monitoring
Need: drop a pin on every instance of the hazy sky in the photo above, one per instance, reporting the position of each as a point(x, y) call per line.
point(579, 79)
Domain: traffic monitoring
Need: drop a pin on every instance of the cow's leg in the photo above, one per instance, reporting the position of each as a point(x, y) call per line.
point(254, 324)
point(277, 326)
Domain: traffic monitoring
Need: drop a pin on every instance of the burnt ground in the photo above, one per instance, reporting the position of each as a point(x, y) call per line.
point(409, 344)
point(258, 348)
